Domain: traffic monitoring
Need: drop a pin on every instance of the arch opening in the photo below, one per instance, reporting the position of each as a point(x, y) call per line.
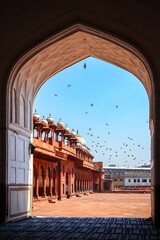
point(49, 58)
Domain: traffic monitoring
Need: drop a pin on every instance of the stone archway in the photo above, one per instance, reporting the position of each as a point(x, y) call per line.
point(28, 75)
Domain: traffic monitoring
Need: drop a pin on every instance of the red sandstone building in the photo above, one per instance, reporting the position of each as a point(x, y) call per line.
point(63, 164)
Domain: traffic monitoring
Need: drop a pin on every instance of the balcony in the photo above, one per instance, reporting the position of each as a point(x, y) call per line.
point(67, 149)
point(43, 147)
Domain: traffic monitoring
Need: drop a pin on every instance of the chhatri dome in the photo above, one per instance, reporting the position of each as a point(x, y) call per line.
point(60, 123)
point(73, 132)
point(36, 115)
point(44, 121)
point(67, 128)
point(80, 139)
point(50, 119)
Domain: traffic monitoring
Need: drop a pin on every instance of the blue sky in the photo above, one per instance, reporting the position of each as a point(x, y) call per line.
point(105, 86)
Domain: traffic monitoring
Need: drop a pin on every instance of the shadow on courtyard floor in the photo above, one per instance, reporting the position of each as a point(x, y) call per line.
point(38, 228)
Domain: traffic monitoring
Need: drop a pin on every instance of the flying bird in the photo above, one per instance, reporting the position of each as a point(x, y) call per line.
point(69, 85)
point(91, 104)
point(116, 106)
point(55, 95)
point(86, 112)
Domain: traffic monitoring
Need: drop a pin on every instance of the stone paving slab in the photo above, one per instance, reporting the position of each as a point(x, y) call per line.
point(40, 228)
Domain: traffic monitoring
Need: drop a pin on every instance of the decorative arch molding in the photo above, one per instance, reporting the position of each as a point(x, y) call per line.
point(66, 48)
point(29, 74)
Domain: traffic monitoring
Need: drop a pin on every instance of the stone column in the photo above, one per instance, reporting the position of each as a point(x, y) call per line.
point(37, 187)
point(62, 137)
point(56, 185)
point(44, 186)
point(50, 185)
point(59, 180)
point(52, 134)
point(78, 185)
point(56, 136)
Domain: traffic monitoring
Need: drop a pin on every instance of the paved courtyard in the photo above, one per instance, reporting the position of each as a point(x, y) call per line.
point(109, 216)
point(63, 228)
point(97, 205)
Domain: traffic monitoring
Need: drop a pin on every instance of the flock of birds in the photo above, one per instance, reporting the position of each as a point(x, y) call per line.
point(101, 147)
point(126, 149)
